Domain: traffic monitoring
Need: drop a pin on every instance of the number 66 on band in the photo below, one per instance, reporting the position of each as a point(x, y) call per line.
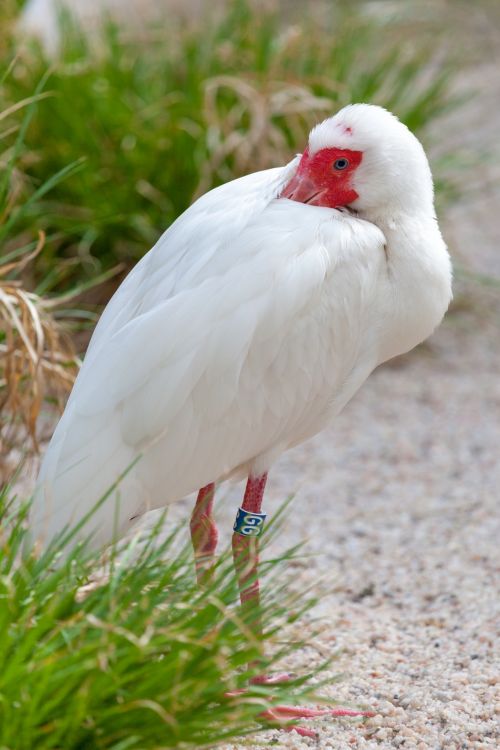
point(248, 523)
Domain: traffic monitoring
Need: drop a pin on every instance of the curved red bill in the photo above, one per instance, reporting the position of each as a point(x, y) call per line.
point(302, 189)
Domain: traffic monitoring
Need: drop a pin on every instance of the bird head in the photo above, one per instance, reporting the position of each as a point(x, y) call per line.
point(366, 159)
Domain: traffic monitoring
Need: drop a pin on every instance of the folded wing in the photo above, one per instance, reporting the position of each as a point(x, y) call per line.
point(227, 341)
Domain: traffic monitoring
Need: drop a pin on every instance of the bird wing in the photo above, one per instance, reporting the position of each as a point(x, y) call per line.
point(189, 251)
point(197, 363)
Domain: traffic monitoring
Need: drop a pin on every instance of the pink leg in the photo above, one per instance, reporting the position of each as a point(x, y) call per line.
point(204, 533)
point(246, 555)
point(280, 714)
point(246, 561)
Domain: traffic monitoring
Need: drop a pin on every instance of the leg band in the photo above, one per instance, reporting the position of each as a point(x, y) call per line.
point(248, 523)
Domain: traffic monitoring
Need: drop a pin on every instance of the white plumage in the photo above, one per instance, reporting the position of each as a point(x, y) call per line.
point(247, 328)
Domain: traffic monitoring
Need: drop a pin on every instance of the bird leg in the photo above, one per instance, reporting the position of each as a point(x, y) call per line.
point(246, 561)
point(246, 555)
point(204, 534)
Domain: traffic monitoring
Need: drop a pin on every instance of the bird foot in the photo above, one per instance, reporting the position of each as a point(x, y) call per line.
point(281, 714)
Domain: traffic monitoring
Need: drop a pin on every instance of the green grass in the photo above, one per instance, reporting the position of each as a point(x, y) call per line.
point(142, 659)
point(159, 121)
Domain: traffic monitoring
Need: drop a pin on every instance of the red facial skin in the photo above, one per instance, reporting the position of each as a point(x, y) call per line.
point(318, 183)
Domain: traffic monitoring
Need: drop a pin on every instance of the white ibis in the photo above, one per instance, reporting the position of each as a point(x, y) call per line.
point(246, 329)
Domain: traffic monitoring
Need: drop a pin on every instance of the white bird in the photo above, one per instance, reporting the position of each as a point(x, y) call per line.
point(247, 328)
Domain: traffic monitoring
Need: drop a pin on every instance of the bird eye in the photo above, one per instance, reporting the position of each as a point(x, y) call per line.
point(340, 164)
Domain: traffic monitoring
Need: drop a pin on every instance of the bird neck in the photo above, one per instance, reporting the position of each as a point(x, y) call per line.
point(414, 245)
point(419, 279)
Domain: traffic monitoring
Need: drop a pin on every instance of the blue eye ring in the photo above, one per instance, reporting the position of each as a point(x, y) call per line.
point(340, 164)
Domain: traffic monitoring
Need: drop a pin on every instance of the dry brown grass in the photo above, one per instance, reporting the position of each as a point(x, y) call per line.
point(37, 361)
point(250, 135)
